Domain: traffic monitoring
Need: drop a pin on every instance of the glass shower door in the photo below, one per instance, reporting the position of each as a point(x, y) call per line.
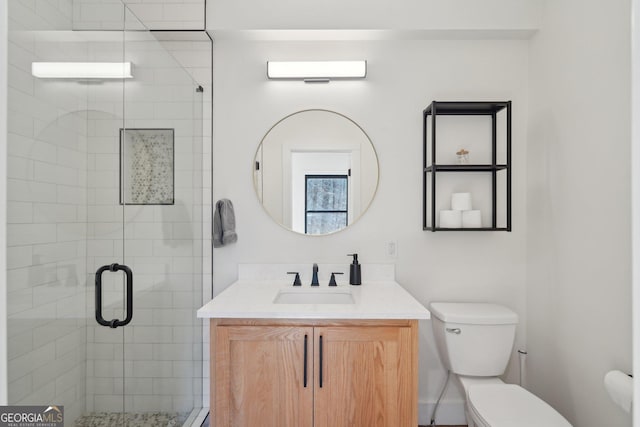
point(150, 158)
point(161, 194)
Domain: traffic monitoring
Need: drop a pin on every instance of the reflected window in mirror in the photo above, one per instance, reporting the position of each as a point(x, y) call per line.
point(326, 203)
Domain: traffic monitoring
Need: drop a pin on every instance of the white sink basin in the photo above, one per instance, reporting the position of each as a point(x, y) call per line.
point(314, 296)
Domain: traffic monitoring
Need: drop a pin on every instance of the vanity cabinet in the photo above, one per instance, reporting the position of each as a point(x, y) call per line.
point(320, 373)
point(433, 169)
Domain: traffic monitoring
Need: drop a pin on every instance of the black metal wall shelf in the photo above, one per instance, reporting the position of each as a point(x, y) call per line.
point(464, 168)
point(471, 229)
point(464, 108)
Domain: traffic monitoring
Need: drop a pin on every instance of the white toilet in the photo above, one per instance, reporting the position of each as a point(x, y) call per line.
point(474, 341)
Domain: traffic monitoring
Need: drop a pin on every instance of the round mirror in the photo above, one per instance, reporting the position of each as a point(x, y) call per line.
point(315, 172)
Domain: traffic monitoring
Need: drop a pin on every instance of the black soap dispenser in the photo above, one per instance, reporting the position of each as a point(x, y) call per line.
point(355, 273)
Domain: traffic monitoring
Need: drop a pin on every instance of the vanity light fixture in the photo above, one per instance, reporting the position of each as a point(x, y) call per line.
point(82, 70)
point(316, 71)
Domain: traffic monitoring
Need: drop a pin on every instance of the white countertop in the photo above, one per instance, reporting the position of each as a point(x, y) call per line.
point(255, 299)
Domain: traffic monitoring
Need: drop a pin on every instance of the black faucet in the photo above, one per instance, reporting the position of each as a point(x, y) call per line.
point(314, 279)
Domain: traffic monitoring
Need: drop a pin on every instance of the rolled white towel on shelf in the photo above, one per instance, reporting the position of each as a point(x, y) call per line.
point(620, 388)
point(461, 201)
point(471, 219)
point(450, 219)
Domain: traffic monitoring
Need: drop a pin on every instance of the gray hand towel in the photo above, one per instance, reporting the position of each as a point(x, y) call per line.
point(224, 224)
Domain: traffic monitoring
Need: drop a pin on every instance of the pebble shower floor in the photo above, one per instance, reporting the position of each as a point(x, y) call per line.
point(151, 419)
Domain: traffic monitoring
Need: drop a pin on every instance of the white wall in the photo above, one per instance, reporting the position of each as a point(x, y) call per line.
point(578, 208)
point(4, 43)
point(635, 196)
point(501, 15)
point(403, 77)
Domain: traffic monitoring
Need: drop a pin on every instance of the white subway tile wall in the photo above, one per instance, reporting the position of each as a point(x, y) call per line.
point(46, 228)
point(156, 14)
point(65, 220)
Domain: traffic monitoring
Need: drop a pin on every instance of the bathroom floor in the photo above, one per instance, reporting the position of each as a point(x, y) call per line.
point(110, 419)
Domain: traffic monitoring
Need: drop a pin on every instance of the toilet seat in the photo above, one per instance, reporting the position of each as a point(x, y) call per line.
point(509, 405)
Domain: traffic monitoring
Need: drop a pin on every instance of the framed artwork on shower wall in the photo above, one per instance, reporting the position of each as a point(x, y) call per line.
point(147, 167)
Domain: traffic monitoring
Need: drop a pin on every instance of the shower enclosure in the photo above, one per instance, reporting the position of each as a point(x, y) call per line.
point(105, 208)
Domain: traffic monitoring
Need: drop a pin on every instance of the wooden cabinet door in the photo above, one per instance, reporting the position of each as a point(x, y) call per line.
point(260, 374)
point(369, 377)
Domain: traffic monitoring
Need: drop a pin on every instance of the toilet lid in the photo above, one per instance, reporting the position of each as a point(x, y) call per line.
point(509, 405)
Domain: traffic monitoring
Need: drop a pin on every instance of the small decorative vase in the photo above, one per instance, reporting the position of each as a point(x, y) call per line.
point(463, 156)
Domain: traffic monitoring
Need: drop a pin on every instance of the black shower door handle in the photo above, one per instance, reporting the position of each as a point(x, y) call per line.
point(114, 323)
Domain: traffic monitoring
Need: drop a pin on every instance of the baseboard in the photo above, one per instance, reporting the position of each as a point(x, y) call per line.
point(449, 413)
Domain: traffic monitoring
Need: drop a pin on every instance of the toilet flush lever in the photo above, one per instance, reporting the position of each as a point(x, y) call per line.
point(456, 331)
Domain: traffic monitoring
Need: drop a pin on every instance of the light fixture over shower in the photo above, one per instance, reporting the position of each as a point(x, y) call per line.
point(316, 71)
point(82, 70)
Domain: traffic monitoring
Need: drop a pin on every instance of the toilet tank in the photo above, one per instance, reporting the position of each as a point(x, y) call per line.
point(474, 338)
